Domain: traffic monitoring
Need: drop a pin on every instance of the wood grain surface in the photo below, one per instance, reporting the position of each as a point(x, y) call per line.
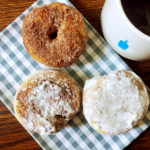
point(12, 134)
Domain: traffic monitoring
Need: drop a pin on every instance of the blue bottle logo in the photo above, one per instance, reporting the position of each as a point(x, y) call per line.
point(123, 44)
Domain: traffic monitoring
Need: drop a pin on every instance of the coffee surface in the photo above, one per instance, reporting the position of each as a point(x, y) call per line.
point(138, 12)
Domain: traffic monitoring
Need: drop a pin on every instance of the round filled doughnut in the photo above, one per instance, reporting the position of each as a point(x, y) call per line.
point(115, 103)
point(46, 101)
point(54, 34)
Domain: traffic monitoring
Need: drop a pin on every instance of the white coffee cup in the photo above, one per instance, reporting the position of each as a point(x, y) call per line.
point(121, 34)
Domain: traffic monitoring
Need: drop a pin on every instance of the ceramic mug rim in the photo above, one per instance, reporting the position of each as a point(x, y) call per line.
point(129, 23)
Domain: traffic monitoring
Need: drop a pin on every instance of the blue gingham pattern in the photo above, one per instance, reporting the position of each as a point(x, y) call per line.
point(98, 59)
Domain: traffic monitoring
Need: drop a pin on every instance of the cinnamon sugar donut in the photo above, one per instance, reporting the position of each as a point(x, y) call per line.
point(54, 34)
point(114, 103)
point(46, 101)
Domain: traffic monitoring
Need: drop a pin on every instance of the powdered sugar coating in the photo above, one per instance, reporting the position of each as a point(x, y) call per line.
point(114, 103)
point(47, 101)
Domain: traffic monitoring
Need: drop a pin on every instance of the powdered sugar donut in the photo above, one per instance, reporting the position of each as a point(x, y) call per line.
point(114, 103)
point(46, 101)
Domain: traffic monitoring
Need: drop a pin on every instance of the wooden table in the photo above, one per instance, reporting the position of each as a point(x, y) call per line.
point(12, 134)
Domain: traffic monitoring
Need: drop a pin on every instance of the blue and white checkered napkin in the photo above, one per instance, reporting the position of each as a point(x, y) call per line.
point(98, 59)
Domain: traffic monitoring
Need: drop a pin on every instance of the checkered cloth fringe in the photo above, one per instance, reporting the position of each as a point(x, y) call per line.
point(98, 59)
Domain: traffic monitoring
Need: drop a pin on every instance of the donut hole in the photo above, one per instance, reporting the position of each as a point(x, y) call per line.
point(53, 35)
point(60, 117)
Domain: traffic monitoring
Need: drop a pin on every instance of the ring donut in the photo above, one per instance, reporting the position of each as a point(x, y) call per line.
point(54, 34)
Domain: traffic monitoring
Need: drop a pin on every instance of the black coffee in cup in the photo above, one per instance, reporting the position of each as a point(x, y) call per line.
point(138, 12)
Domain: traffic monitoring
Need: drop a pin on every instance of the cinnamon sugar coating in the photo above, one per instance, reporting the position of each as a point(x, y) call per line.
point(54, 34)
point(46, 101)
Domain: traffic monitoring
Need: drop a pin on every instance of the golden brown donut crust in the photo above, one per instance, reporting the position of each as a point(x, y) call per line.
point(47, 115)
point(55, 19)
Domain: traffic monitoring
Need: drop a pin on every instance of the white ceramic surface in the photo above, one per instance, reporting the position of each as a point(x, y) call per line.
point(121, 34)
